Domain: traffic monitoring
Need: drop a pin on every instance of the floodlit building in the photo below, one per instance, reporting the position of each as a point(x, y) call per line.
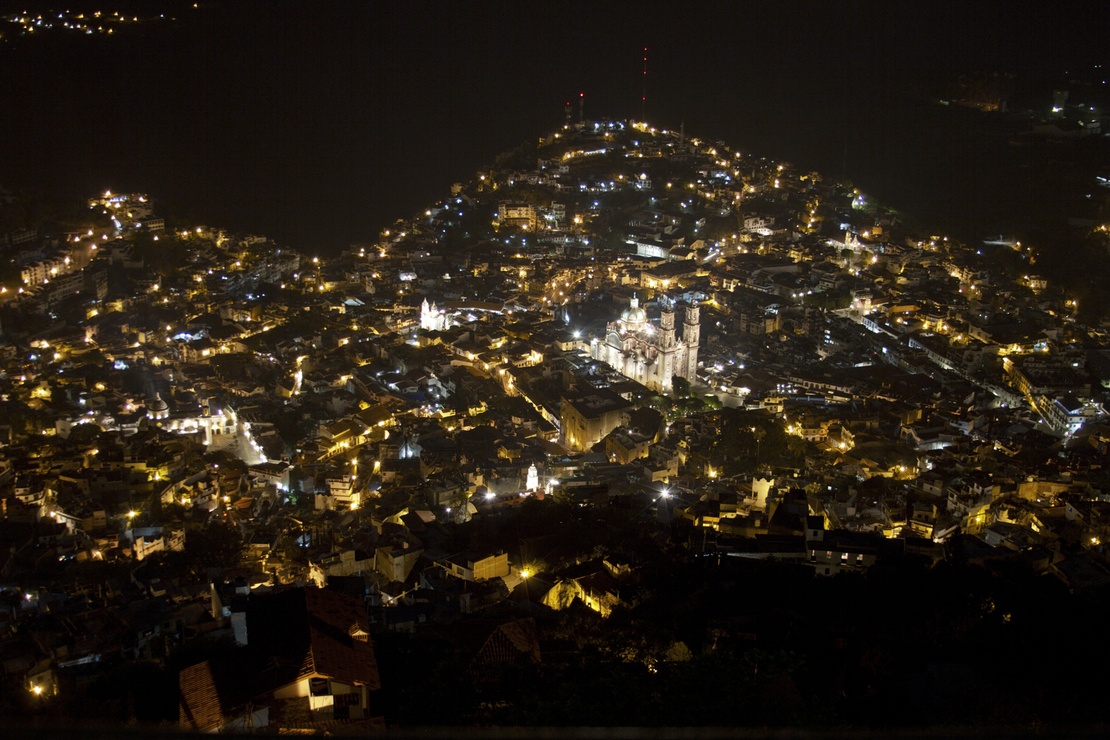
point(587, 417)
point(433, 318)
point(651, 355)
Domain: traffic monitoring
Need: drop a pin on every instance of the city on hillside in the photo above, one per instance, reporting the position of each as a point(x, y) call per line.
point(628, 413)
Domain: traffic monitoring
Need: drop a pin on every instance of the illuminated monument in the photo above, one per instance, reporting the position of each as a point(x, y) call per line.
point(635, 347)
point(433, 318)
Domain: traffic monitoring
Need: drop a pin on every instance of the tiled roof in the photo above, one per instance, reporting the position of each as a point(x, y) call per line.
point(322, 632)
point(199, 708)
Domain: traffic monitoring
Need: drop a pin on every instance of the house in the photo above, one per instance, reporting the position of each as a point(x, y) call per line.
point(471, 567)
point(395, 560)
point(590, 583)
point(833, 551)
point(340, 563)
point(316, 646)
point(308, 666)
point(510, 643)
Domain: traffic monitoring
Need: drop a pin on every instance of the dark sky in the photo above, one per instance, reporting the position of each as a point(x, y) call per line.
point(320, 123)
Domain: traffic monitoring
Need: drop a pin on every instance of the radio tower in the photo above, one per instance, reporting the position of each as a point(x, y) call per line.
point(581, 107)
point(643, 90)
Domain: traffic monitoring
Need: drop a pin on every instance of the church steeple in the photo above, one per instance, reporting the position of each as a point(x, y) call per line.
point(430, 318)
point(691, 335)
point(666, 324)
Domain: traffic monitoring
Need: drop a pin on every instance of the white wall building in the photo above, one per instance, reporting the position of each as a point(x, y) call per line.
point(649, 355)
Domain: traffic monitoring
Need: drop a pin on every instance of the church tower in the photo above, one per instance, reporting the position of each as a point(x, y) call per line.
point(670, 362)
point(691, 331)
point(666, 326)
point(425, 315)
point(430, 317)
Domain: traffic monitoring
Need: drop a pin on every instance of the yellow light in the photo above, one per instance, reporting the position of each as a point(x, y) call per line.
point(36, 690)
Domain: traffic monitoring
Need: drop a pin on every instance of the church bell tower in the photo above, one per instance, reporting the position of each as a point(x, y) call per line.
point(691, 335)
point(666, 326)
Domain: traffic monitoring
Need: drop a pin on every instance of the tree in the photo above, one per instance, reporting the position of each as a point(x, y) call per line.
point(84, 435)
point(681, 386)
point(796, 446)
point(758, 433)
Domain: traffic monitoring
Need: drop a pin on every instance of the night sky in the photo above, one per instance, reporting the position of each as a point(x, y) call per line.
point(321, 123)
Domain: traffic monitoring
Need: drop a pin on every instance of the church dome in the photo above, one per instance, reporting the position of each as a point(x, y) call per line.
point(157, 409)
point(634, 315)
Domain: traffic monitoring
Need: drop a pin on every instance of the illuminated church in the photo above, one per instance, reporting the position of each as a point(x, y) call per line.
point(648, 354)
point(432, 318)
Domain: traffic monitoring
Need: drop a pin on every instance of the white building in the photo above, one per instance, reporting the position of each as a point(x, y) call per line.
point(1068, 414)
point(433, 318)
point(636, 348)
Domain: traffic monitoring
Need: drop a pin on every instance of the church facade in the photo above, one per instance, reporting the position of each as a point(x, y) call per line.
point(648, 354)
point(433, 318)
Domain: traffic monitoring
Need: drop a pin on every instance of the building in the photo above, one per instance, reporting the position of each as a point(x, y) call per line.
point(319, 641)
point(586, 418)
point(522, 215)
point(1067, 414)
point(433, 318)
point(651, 355)
point(308, 664)
point(470, 567)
